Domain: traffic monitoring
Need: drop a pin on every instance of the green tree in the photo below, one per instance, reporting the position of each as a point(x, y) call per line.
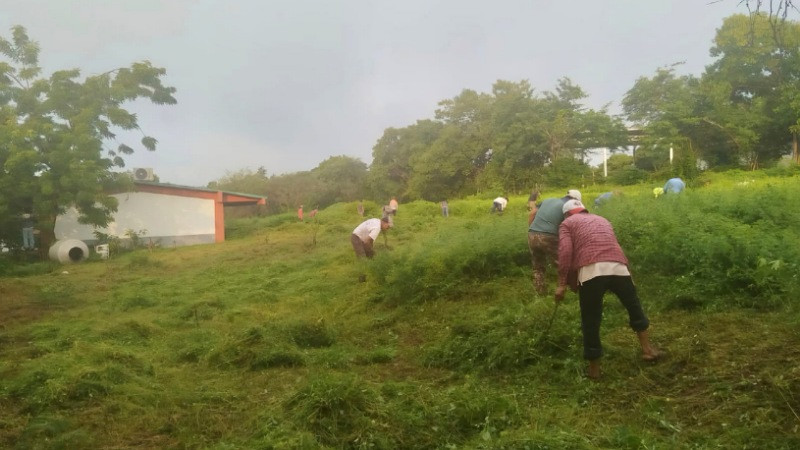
point(663, 106)
point(54, 134)
point(390, 170)
point(519, 151)
point(342, 178)
point(754, 80)
point(245, 180)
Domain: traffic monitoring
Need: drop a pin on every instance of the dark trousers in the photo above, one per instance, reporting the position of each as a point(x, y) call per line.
point(591, 299)
point(360, 248)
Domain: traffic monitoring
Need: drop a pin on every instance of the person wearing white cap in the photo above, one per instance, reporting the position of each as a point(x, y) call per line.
point(588, 246)
point(543, 222)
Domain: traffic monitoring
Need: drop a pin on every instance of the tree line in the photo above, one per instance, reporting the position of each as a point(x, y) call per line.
point(58, 144)
point(743, 111)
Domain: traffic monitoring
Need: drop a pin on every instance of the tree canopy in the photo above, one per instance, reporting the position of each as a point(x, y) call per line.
point(742, 111)
point(58, 143)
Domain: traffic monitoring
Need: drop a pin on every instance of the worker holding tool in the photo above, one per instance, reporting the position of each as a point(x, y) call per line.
point(543, 222)
point(588, 246)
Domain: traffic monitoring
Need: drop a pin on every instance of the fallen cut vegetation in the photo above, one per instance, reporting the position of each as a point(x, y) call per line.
point(269, 340)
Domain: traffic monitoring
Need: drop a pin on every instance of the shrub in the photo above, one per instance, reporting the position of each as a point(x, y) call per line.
point(736, 245)
point(449, 265)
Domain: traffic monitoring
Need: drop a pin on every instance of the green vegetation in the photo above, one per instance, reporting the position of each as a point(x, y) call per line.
point(269, 341)
point(741, 112)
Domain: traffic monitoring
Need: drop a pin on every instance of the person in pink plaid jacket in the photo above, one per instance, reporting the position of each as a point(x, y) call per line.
point(591, 260)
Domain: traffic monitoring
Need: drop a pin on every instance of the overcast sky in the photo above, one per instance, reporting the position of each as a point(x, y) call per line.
point(287, 84)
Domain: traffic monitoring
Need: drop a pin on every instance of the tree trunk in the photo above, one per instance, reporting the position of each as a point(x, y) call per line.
point(47, 236)
point(795, 154)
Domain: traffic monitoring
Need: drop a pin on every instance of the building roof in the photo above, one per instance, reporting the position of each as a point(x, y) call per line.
point(227, 198)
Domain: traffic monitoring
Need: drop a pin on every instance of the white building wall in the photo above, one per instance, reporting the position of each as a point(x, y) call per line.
point(169, 219)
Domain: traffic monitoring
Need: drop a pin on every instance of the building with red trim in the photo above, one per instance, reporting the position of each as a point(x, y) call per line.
point(165, 214)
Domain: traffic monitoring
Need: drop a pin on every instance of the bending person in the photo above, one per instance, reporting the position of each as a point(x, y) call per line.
point(587, 245)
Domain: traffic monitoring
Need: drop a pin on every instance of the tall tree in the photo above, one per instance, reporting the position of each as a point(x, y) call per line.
point(757, 70)
point(390, 171)
point(54, 133)
point(343, 179)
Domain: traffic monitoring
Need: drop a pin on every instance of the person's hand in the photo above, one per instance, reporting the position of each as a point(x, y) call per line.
point(560, 290)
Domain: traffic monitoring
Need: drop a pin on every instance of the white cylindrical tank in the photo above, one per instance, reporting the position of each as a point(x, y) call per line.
point(69, 251)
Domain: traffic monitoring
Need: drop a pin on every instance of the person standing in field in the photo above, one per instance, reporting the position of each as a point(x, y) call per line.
point(393, 206)
point(543, 222)
point(364, 236)
point(499, 204)
point(445, 208)
point(360, 208)
point(300, 213)
point(674, 186)
point(588, 252)
point(314, 212)
point(28, 242)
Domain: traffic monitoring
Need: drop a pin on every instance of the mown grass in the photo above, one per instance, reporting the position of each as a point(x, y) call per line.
point(269, 341)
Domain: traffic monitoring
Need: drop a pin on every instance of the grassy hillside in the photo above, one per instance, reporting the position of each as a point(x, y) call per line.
point(269, 341)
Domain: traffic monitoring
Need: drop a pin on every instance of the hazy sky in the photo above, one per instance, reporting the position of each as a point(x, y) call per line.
point(286, 84)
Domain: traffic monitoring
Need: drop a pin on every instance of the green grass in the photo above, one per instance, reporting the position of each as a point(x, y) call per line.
point(269, 341)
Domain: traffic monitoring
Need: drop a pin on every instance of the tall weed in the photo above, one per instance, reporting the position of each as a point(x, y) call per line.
point(451, 263)
point(724, 245)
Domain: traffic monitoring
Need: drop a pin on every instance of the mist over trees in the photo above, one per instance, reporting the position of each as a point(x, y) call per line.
point(743, 111)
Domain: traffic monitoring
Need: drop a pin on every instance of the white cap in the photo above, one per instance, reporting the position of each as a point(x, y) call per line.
point(574, 193)
point(571, 205)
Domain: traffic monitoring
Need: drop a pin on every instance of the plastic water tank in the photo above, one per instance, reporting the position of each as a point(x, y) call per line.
point(69, 251)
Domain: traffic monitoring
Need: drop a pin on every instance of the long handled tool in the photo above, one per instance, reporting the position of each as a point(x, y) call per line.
point(549, 323)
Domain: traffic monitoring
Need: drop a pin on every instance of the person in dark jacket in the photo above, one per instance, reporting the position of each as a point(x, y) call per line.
point(589, 253)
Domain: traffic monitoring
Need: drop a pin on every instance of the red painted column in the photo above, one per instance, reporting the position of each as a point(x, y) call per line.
point(219, 218)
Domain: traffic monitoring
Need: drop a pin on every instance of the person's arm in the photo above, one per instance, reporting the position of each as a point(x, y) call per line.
point(532, 215)
point(368, 247)
point(565, 248)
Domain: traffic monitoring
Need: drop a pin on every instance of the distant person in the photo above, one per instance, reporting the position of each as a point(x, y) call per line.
point(602, 198)
point(499, 204)
point(386, 211)
point(314, 212)
point(674, 186)
point(590, 256)
point(543, 222)
point(360, 208)
point(393, 206)
point(532, 199)
point(300, 213)
point(605, 197)
point(658, 191)
point(27, 232)
point(445, 208)
point(364, 236)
